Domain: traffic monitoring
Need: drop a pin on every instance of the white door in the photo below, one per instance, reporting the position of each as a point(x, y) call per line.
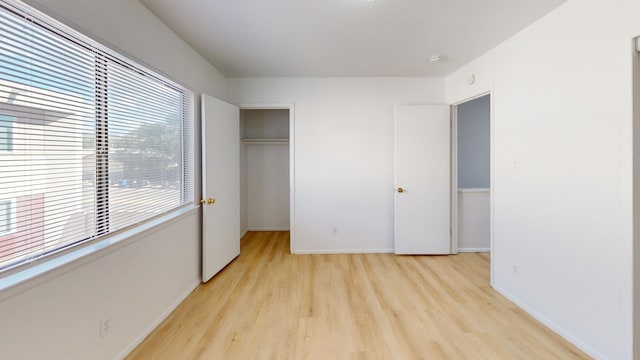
point(422, 179)
point(220, 185)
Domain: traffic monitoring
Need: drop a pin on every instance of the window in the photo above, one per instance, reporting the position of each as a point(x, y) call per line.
point(98, 143)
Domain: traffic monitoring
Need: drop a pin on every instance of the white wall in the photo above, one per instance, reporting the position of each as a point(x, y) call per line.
point(473, 118)
point(474, 220)
point(343, 153)
point(563, 169)
point(267, 187)
point(137, 284)
point(266, 124)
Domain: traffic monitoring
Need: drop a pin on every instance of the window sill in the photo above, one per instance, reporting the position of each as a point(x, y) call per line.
point(31, 276)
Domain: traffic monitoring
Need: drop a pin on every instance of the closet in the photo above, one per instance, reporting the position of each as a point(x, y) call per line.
point(264, 170)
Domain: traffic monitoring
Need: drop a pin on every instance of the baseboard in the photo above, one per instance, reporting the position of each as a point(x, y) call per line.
point(268, 228)
point(551, 325)
point(474, 250)
point(243, 233)
point(157, 322)
point(343, 251)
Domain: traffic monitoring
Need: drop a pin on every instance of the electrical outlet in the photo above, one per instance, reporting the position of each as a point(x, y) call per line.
point(515, 270)
point(335, 231)
point(105, 327)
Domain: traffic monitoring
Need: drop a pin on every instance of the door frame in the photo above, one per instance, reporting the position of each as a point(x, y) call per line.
point(635, 79)
point(292, 178)
point(454, 174)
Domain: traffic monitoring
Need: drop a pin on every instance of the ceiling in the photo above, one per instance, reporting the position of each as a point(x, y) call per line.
point(338, 38)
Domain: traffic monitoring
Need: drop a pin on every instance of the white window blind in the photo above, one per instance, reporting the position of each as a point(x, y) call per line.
point(90, 142)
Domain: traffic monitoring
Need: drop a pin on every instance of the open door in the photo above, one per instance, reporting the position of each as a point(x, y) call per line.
point(422, 179)
point(220, 185)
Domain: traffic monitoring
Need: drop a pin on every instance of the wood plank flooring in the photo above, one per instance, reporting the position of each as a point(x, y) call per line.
point(269, 304)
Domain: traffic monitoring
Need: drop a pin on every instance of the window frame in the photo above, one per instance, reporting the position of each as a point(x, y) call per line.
point(104, 238)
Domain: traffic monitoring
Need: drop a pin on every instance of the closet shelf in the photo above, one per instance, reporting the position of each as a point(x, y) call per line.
point(265, 141)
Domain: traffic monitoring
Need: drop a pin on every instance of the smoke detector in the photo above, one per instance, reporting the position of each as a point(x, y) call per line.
point(436, 59)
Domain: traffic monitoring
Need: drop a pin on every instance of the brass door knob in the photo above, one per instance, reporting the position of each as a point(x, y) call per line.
point(400, 190)
point(211, 201)
point(202, 201)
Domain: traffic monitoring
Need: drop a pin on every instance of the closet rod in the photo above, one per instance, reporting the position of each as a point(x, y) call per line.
point(265, 141)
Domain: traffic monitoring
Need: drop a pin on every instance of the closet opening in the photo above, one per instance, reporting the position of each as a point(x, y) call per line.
point(266, 170)
point(471, 195)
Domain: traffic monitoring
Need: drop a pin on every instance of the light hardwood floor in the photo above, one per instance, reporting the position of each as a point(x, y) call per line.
point(269, 304)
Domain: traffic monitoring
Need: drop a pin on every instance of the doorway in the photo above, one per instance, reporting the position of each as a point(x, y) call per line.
point(471, 190)
point(266, 169)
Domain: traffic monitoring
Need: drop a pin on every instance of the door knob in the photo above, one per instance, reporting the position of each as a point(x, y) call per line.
point(202, 201)
point(211, 201)
point(400, 190)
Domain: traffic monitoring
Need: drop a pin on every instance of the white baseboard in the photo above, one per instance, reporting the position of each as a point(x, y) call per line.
point(552, 325)
point(343, 251)
point(243, 233)
point(472, 250)
point(268, 228)
point(138, 340)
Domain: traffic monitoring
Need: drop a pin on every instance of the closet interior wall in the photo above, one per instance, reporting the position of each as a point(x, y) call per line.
point(264, 170)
